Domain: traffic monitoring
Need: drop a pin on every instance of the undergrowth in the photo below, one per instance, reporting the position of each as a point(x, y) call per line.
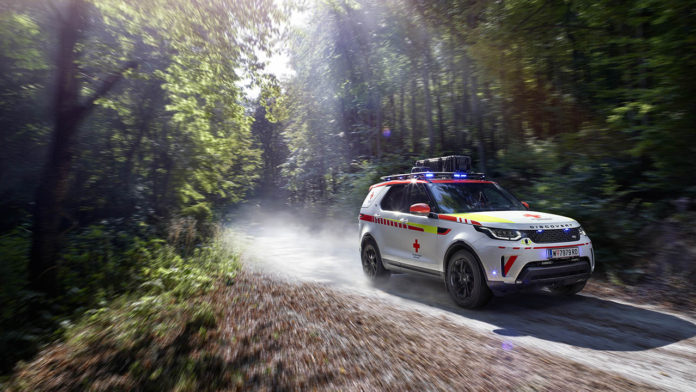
point(119, 288)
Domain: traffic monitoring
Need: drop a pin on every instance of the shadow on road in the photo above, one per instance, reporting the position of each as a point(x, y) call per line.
point(580, 321)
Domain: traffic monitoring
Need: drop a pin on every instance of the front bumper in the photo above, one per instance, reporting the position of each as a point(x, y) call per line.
point(534, 274)
point(511, 268)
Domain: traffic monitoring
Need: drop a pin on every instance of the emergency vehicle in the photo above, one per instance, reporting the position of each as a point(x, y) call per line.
point(444, 221)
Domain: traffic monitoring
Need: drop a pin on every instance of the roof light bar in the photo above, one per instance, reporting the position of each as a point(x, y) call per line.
point(428, 175)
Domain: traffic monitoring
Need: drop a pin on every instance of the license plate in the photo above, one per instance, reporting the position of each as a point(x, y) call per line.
point(563, 252)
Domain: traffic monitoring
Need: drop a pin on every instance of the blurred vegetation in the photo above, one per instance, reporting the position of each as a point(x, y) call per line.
point(99, 263)
point(124, 131)
point(162, 300)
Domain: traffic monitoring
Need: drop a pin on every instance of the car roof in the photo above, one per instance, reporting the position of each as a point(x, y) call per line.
point(434, 181)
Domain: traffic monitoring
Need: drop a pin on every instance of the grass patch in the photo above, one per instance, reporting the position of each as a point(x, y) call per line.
point(152, 338)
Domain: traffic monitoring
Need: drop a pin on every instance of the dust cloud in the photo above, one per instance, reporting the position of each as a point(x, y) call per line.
point(297, 247)
point(300, 248)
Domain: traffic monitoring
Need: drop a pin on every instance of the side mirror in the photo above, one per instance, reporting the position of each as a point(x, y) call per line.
point(420, 209)
point(525, 204)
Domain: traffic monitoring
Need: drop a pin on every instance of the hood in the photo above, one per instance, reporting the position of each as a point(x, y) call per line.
point(519, 220)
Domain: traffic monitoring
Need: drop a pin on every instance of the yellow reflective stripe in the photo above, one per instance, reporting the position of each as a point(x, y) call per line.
point(478, 217)
point(426, 228)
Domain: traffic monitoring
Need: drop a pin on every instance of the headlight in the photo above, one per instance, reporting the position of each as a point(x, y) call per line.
point(581, 231)
point(500, 234)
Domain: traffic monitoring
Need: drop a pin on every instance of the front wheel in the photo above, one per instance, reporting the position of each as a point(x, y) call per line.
point(465, 281)
point(372, 263)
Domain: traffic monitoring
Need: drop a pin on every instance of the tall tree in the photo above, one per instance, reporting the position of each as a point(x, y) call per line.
point(69, 110)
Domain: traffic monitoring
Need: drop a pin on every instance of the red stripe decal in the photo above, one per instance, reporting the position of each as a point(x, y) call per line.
point(447, 217)
point(396, 182)
point(509, 263)
point(415, 228)
point(501, 247)
point(368, 218)
point(560, 246)
point(515, 247)
point(458, 220)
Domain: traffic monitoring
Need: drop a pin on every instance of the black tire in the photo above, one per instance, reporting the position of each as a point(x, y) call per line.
point(465, 281)
point(372, 263)
point(568, 290)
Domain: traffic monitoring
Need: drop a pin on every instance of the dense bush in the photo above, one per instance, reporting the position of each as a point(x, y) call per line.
point(97, 264)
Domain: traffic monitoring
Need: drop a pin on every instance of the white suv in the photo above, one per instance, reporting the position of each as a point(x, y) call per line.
point(472, 233)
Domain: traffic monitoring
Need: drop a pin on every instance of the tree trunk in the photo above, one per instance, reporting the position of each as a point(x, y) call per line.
point(392, 123)
point(53, 184)
point(438, 105)
point(478, 119)
point(465, 112)
point(378, 124)
point(402, 119)
point(428, 108)
point(415, 132)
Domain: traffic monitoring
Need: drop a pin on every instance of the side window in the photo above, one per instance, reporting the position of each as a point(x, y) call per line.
point(394, 199)
point(418, 194)
point(372, 196)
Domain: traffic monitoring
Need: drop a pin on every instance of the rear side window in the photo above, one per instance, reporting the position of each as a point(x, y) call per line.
point(372, 196)
point(395, 199)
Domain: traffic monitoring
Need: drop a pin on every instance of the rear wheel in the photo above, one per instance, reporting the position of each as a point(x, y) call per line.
point(570, 289)
point(465, 281)
point(372, 263)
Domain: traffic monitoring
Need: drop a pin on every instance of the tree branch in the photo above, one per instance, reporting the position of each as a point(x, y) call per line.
point(107, 85)
point(528, 17)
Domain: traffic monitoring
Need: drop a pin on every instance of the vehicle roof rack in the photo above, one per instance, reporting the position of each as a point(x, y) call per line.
point(450, 163)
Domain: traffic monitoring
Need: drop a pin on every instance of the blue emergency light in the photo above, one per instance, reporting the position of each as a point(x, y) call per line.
point(454, 166)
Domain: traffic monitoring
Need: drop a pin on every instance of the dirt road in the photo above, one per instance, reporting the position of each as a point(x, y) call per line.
point(643, 343)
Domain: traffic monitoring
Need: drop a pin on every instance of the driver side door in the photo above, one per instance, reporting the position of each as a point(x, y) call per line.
point(418, 243)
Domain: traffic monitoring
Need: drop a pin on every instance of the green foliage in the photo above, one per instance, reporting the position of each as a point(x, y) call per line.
point(583, 108)
point(173, 136)
point(167, 306)
point(99, 264)
point(14, 248)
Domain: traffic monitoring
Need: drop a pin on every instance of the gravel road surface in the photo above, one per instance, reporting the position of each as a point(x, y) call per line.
point(647, 344)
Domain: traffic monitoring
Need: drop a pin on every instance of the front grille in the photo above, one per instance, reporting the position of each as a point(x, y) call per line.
point(539, 272)
point(554, 235)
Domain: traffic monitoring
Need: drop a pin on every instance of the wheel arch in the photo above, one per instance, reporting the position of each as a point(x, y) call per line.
point(456, 247)
point(367, 237)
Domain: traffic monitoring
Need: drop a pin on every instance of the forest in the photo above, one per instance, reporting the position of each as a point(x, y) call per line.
point(131, 130)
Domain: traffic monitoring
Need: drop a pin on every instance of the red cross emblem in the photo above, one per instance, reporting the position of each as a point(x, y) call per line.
point(533, 216)
point(416, 245)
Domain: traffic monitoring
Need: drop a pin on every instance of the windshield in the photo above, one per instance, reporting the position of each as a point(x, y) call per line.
point(473, 197)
